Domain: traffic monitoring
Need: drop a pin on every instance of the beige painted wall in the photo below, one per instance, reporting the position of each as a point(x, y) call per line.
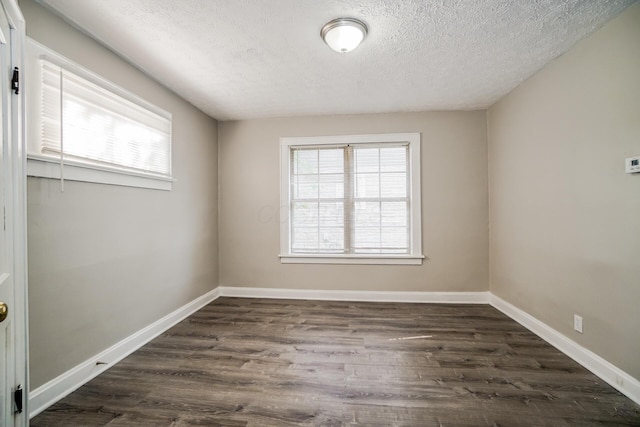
point(565, 218)
point(106, 261)
point(454, 204)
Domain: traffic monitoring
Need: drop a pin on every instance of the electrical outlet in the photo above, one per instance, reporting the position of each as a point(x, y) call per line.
point(577, 323)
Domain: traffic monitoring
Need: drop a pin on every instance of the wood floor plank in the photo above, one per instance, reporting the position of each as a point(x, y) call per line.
point(266, 362)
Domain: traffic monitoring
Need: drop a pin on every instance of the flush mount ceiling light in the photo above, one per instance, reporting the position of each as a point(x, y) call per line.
point(344, 34)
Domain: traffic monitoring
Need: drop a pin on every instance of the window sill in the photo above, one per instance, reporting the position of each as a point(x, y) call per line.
point(352, 259)
point(42, 167)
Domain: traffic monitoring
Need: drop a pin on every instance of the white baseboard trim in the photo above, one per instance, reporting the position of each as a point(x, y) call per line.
point(379, 296)
point(614, 376)
point(54, 390)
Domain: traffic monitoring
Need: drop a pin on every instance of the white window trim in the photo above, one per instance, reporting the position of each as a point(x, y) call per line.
point(414, 258)
point(48, 166)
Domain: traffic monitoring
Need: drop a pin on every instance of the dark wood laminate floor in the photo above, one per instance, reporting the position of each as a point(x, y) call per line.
point(259, 362)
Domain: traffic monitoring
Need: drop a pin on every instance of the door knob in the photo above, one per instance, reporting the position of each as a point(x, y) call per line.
point(4, 311)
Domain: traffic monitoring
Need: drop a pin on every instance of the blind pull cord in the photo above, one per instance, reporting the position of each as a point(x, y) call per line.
point(61, 132)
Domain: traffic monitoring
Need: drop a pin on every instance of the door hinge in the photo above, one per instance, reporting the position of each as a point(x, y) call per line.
point(17, 399)
point(15, 80)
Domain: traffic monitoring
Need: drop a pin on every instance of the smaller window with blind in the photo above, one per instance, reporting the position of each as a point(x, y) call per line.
point(351, 199)
point(85, 128)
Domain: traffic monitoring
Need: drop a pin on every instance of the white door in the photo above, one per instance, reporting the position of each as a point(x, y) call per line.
point(8, 307)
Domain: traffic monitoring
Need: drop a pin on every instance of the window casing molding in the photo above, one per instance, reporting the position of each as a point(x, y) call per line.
point(46, 164)
point(414, 255)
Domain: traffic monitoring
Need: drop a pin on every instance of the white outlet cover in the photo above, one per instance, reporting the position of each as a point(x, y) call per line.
point(632, 164)
point(577, 323)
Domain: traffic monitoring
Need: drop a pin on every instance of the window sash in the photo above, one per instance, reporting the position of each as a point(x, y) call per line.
point(358, 237)
point(81, 121)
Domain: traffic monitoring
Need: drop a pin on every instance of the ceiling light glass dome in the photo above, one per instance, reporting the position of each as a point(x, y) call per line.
point(344, 34)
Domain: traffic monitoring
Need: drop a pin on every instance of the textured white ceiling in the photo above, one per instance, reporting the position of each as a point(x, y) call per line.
point(239, 59)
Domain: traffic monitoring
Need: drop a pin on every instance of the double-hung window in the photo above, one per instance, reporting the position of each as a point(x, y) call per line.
point(85, 128)
point(351, 199)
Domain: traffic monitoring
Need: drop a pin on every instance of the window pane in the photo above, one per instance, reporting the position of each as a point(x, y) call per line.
point(367, 214)
point(91, 132)
point(394, 237)
point(367, 237)
point(305, 239)
point(393, 159)
point(393, 185)
point(366, 160)
point(332, 239)
point(332, 160)
point(305, 187)
point(394, 214)
point(305, 162)
point(367, 185)
point(332, 186)
point(305, 214)
point(332, 214)
point(367, 251)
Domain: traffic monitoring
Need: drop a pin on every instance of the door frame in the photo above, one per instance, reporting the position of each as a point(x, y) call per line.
point(17, 208)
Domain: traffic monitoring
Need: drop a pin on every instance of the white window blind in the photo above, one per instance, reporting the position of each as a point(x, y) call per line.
point(83, 122)
point(350, 199)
